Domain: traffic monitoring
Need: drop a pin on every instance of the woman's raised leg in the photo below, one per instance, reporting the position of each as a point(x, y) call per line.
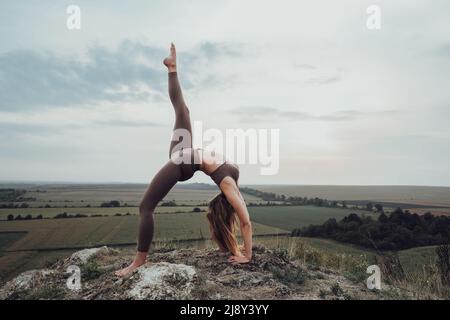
point(170, 174)
point(182, 130)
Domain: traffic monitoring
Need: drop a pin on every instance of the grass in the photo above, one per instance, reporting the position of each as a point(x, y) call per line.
point(422, 282)
point(309, 254)
point(291, 217)
point(413, 259)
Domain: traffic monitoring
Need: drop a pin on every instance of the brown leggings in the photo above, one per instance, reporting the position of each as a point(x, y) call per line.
point(170, 173)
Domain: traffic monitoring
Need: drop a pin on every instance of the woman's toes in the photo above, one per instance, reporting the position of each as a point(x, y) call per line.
point(171, 61)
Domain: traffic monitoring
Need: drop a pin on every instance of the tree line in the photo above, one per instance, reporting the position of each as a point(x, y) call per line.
point(276, 199)
point(397, 231)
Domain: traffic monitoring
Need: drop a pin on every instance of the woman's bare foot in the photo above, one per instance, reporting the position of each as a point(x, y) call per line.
point(138, 261)
point(171, 61)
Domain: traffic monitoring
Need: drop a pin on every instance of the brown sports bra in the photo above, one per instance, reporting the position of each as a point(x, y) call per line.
point(226, 169)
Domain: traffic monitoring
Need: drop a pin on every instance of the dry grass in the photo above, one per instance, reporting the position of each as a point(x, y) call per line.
point(422, 283)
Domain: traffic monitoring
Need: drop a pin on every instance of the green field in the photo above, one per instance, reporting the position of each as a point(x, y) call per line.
point(82, 232)
point(51, 212)
point(130, 194)
point(291, 217)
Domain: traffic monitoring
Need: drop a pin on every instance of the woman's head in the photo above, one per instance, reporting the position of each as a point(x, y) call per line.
point(222, 220)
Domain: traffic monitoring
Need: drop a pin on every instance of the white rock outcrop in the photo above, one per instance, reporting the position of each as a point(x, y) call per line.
point(24, 281)
point(82, 256)
point(162, 281)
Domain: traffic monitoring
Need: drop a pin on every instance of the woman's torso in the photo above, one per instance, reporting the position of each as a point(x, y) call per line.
point(210, 162)
point(217, 166)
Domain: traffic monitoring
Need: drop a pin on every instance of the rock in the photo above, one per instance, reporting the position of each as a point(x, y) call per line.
point(23, 282)
point(162, 281)
point(190, 274)
point(82, 256)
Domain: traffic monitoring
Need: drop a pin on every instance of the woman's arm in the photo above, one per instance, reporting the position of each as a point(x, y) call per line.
point(234, 197)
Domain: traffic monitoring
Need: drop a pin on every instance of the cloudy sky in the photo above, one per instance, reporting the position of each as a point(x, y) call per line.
point(353, 105)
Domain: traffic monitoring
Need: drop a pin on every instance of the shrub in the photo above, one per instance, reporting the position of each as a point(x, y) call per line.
point(336, 289)
point(61, 215)
point(289, 275)
point(90, 270)
point(391, 267)
point(282, 253)
point(46, 292)
point(110, 204)
point(322, 294)
point(169, 204)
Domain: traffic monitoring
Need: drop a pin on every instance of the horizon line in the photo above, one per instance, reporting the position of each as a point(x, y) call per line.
point(185, 183)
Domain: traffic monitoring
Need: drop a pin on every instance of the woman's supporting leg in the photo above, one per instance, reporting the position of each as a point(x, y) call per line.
point(161, 184)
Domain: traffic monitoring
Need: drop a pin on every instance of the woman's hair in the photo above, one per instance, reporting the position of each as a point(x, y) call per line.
point(222, 220)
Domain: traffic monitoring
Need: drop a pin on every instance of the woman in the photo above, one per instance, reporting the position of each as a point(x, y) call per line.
point(184, 162)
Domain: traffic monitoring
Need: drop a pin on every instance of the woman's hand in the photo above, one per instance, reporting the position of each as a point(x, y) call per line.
point(238, 259)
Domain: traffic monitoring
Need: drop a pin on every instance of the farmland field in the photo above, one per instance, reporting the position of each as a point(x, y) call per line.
point(129, 194)
point(291, 217)
point(26, 244)
point(419, 195)
point(53, 233)
point(51, 212)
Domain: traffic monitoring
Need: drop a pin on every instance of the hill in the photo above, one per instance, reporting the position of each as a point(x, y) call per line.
point(191, 274)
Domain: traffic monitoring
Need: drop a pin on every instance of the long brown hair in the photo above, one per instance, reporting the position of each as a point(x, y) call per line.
point(222, 221)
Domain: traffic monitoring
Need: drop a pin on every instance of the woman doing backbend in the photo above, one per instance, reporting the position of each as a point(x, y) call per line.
point(183, 163)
